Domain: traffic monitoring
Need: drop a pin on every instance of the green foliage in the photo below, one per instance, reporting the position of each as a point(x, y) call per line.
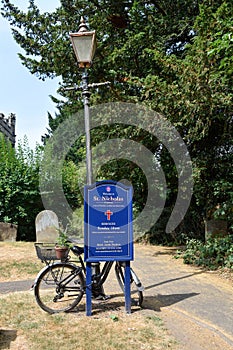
point(211, 142)
point(62, 239)
point(214, 253)
point(70, 180)
point(20, 200)
point(114, 318)
point(173, 56)
point(76, 225)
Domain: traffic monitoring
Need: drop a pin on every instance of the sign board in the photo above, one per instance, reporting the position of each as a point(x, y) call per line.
point(108, 232)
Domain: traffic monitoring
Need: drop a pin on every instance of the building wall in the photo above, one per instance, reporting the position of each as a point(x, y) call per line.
point(7, 127)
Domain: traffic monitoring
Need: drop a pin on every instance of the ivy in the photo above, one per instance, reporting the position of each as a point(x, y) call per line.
point(214, 253)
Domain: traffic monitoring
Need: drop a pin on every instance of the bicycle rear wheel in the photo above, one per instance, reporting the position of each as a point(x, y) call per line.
point(59, 287)
point(136, 286)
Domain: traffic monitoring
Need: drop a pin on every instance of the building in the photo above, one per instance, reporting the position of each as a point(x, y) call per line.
point(7, 127)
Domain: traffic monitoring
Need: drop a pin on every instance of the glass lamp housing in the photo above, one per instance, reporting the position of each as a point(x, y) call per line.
point(84, 45)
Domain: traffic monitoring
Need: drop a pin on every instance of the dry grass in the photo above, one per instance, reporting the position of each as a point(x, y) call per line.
point(25, 326)
point(18, 261)
point(21, 319)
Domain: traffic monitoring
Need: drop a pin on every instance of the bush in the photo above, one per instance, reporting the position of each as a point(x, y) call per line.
point(214, 253)
point(20, 200)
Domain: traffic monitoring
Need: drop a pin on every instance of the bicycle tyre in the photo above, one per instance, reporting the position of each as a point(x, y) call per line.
point(136, 294)
point(53, 295)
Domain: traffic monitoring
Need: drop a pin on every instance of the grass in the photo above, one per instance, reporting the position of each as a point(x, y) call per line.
point(25, 326)
point(18, 261)
point(38, 330)
point(18, 269)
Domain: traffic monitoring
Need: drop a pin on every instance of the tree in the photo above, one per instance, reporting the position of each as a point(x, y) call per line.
point(199, 102)
point(20, 197)
point(20, 200)
point(125, 30)
point(173, 56)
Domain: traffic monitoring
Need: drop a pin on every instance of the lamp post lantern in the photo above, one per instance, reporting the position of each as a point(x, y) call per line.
point(84, 45)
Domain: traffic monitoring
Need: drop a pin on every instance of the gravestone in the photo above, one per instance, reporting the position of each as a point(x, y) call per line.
point(215, 228)
point(8, 232)
point(46, 227)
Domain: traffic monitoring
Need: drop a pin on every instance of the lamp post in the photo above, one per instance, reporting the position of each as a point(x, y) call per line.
point(84, 45)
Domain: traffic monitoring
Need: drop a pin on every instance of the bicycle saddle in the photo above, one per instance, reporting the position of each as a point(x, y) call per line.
point(77, 250)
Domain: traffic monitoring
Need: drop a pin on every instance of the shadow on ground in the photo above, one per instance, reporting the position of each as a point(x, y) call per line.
point(173, 279)
point(169, 250)
point(6, 337)
point(156, 302)
point(117, 303)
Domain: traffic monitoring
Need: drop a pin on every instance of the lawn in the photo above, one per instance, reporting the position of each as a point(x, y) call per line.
point(24, 326)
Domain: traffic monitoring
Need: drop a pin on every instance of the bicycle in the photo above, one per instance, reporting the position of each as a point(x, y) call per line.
point(60, 286)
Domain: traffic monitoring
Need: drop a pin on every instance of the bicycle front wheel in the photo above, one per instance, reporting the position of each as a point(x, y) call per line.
point(136, 286)
point(59, 287)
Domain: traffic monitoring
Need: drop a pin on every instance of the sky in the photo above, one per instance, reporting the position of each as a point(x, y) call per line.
point(21, 92)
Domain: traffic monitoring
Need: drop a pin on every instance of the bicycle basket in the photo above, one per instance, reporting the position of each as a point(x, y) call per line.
point(46, 251)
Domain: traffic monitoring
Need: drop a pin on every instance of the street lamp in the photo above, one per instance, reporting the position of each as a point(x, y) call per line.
point(84, 45)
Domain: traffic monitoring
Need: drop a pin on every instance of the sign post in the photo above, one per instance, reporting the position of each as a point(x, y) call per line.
point(108, 232)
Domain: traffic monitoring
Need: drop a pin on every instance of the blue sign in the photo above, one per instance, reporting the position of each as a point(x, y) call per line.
point(108, 232)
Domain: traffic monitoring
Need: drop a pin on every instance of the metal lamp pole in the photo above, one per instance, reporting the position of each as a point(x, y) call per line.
point(86, 102)
point(84, 45)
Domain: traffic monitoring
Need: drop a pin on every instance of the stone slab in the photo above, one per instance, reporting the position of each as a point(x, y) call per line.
point(8, 232)
point(46, 227)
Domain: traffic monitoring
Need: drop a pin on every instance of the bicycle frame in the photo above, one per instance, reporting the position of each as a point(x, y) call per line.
point(52, 276)
point(100, 278)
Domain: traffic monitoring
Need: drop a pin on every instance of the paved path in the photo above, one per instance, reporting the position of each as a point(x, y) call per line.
point(15, 286)
point(175, 289)
point(192, 302)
